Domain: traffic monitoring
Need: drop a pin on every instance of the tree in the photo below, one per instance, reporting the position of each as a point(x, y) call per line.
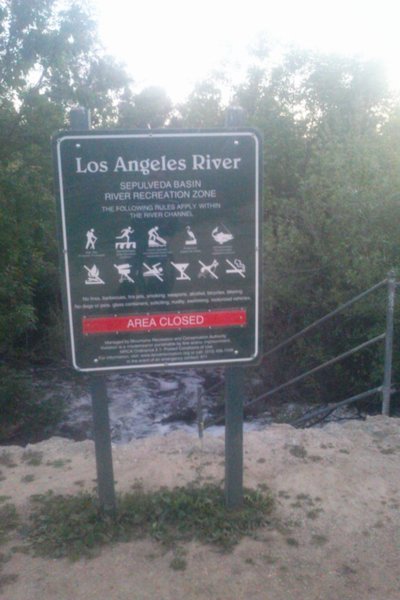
point(49, 61)
point(203, 108)
point(332, 175)
point(150, 108)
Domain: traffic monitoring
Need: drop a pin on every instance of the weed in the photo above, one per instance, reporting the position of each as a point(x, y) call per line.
point(298, 451)
point(284, 494)
point(319, 540)
point(315, 513)
point(73, 526)
point(28, 478)
point(378, 525)
point(306, 497)
point(4, 499)
point(283, 569)
point(347, 570)
point(32, 457)
point(315, 458)
point(8, 520)
point(292, 542)
point(4, 558)
point(7, 580)
point(23, 407)
point(20, 549)
point(58, 463)
point(269, 560)
point(263, 487)
point(6, 460)
point(178, 563)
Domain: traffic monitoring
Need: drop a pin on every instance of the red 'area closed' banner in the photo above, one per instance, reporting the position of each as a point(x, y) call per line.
point(164, 321)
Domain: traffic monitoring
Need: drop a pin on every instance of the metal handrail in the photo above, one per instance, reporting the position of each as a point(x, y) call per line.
point(327, 410)
point(318, 368)
point(385, 388)
point(325, 317)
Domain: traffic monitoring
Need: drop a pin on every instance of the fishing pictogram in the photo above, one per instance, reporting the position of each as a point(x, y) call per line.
point(191, 238)
point(221, 234)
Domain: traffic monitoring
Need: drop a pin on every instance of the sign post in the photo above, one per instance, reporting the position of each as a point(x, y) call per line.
point(101, 419)
point(234, 390)
point(234, 397)
point(102, 443)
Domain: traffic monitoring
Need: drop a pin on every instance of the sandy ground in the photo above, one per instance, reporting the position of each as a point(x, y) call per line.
point(336, 532)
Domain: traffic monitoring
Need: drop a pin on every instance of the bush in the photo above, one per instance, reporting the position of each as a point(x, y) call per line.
point(24, 414)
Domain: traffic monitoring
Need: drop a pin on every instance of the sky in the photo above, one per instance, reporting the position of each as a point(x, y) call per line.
point(175, 43)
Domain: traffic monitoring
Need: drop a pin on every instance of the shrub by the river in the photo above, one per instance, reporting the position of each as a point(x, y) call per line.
point(25, 414)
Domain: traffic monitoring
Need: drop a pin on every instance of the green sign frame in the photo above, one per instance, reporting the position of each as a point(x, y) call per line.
point(160, 246)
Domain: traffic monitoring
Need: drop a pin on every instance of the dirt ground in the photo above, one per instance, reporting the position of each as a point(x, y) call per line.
point(335, 532)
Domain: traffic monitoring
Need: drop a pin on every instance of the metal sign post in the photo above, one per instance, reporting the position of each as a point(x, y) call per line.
point(102, 442)
point(234, 391)
point(101, 421)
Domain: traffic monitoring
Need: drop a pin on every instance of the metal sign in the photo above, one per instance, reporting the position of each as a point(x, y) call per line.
point(160, 246)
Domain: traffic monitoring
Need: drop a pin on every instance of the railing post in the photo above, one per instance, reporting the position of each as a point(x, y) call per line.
point(387, 377)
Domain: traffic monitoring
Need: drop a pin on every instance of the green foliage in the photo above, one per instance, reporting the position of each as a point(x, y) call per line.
point(24, 413)
point(202, 109)
point(332, 174)
point(73, 526)
point(9, 521)
point(33, 458)
point(148, 109)
point(332, 211)
point(49, 62)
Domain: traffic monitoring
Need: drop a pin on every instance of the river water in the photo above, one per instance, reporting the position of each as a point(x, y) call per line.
point(153, 403)
point(140, 404)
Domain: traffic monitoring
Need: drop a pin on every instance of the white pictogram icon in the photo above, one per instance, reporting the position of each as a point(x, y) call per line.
point(154, 271)
point(209, 270)
point(191, 238)
point(155, 240)
point(181, 268)
point(221, 235)
point(124, 272)
point(237, 267)
point(125, 235)
point(93, 276)
point(91, 240)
